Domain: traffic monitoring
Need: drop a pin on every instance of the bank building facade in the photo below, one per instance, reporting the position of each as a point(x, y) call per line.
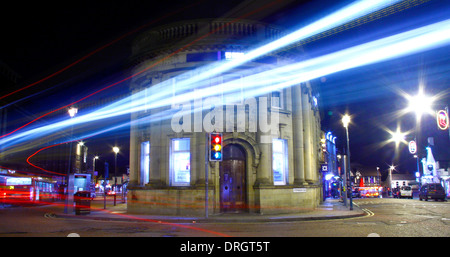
point(271, 136)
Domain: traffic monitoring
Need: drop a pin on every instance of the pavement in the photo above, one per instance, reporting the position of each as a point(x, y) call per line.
point(329, 209)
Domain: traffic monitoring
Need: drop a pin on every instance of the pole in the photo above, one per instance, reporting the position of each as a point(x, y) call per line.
point(66, 201)
point(345, 179)
point(206, 174)
point(115, 177)
point(446, 110)
point(105, 175)
point(349, 169)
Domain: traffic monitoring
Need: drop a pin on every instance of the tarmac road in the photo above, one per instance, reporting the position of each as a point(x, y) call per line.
point(385, 217)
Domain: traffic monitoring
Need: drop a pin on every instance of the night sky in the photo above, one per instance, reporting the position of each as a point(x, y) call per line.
point(40, 38)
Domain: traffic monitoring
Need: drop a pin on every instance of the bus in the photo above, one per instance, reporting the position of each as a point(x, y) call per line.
point(23, 189)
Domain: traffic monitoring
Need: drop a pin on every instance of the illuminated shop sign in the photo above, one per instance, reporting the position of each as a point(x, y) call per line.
point(18, 181)
point(442, 119)
point(412, 147)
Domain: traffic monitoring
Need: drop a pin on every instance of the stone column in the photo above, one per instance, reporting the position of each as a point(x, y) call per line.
point(264, 139)
point(200, 148)
point(156, 152)
point(297, 120)
point(306, 111)
point(134, 153)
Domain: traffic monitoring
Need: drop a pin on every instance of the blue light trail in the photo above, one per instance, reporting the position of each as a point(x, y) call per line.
point(421, 39)
point(256, 82)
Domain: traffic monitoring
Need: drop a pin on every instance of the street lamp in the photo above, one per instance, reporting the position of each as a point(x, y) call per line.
point(419, 104)
point(398, 136)
point(93, 165)
point(72, 111)
point(391, 168)
point(116, 151)
point(345, 122)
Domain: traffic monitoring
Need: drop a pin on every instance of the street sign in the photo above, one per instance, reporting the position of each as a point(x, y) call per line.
point(412, 147)
point(442, 119)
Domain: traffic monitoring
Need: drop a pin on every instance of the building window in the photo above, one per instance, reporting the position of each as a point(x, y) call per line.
point(279, 162)
point(276, 99)
point(145, 163)
point(180, 162)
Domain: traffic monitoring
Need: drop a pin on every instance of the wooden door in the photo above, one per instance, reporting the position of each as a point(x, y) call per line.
point(232, 182)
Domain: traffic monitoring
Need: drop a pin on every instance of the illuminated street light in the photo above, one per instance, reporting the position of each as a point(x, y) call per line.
point(93, 163)
point(346, 121)
point(391, 168)
point(420, 104)
point(398, 136)
point(116, 151)
point(68, 199)
point(72, 111)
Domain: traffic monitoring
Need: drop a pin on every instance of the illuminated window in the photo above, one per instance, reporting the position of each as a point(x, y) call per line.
point(145, 162)
point(180, 162)
point(233, 55)
point(279, 162)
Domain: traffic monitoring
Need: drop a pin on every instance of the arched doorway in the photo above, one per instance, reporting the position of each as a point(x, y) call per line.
point(233, 180)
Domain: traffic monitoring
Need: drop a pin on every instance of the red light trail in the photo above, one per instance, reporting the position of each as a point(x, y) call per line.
point(100, 49)
point(127, 78)
point(142, 71)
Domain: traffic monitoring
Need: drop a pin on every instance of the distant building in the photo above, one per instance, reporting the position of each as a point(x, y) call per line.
point(399, 180)
point(364, 176)
point(437, 162)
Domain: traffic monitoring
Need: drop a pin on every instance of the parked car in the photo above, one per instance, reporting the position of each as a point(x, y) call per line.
point(432, 191)
point(406, 192)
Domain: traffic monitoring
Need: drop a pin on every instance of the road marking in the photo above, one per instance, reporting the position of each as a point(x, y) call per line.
point(369, 212)
point(73, 235)
point(373, 235)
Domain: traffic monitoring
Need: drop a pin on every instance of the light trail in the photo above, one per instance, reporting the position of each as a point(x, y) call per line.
point(403, 44)
point(410, 42)
point(342, 16)
point(100, 49)
point(407, 43)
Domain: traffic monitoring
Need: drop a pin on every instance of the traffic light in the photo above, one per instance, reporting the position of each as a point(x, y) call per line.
point(215, 146)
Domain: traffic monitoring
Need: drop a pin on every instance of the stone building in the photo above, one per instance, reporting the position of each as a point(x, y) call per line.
point(271, 139)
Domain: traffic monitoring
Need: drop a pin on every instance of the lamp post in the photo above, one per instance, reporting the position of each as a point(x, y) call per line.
point(72, 111)
point(419, 104)
point(116, 151)
point(391, 168)
point(345, 122)
point(93, 167)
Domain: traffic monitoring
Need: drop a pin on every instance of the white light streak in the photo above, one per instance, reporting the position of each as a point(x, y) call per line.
point(261, 82)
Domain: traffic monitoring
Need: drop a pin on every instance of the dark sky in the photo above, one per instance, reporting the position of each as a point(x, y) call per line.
point(39, 38)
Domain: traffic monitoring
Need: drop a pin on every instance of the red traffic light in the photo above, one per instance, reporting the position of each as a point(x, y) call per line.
point(216, 139)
